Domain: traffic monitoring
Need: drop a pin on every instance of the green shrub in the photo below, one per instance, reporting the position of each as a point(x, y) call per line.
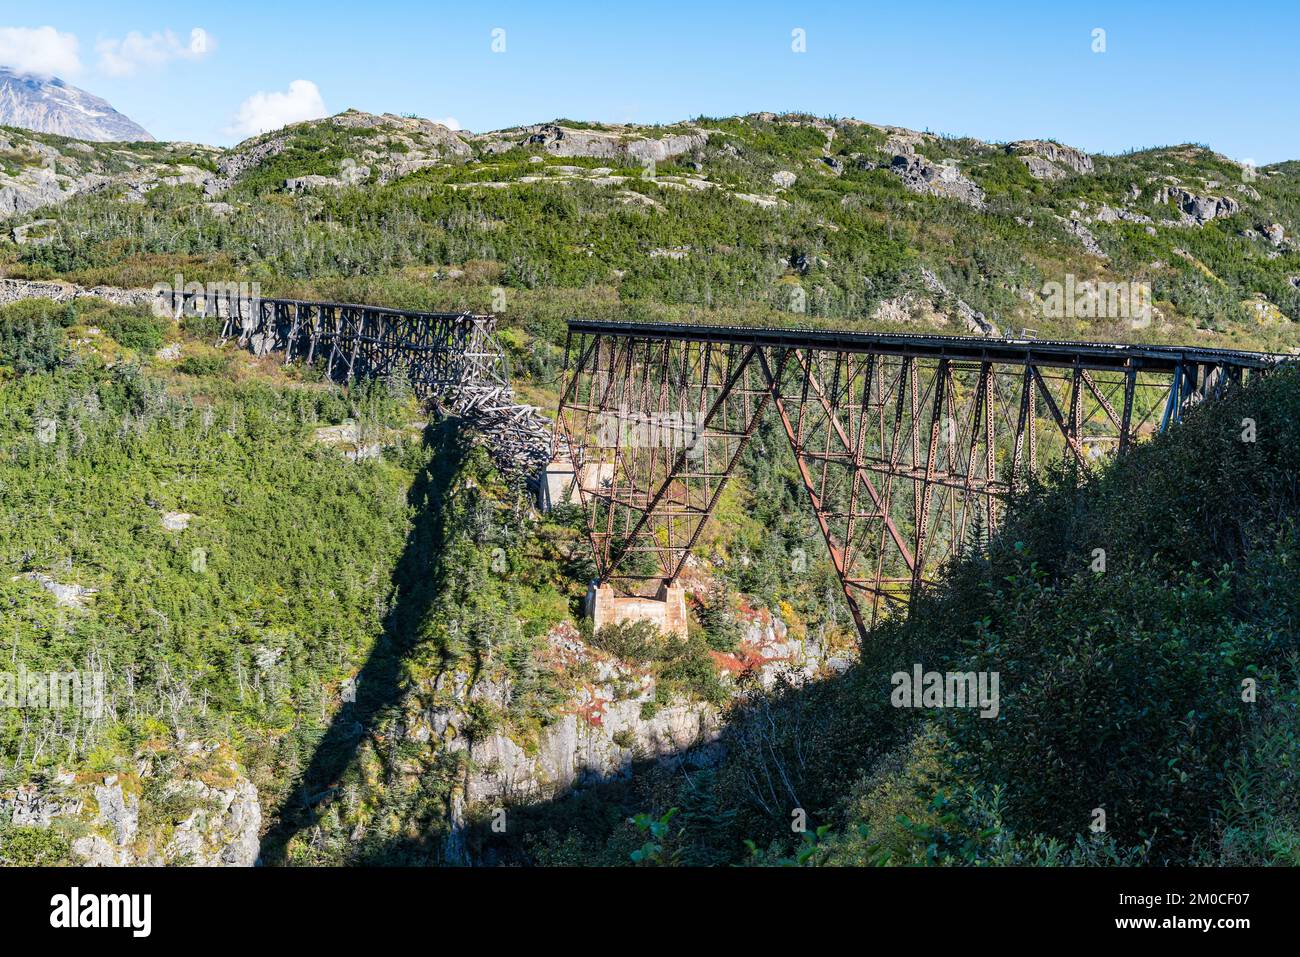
point(683, 667)
point(139, 330)
point(33, 847)
point(31, 337)
point(718, 619)
point(636, 642)
point(203, 326)
point(62, 314)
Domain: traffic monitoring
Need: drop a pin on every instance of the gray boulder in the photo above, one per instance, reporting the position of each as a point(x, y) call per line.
point(118, 811)
point(31, 189)
point(1075, 226)
point(1199, 210)
point(972, 320)
point(22, 237)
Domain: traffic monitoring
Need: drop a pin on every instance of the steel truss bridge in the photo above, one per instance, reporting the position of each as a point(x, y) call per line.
point(907, 445)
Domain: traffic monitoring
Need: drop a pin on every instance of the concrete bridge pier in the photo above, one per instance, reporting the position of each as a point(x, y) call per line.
point(667, 610)
point(559, 484)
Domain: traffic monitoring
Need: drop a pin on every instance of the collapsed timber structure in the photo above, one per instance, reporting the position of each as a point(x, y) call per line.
point(906, 445)
point(451, 360)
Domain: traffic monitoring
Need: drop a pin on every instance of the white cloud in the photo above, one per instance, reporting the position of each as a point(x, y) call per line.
point(43, 51)
point(126, 56)
point(270, 111)
point(450, 122)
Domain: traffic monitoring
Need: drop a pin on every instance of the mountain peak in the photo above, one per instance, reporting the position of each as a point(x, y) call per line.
point(50, 105)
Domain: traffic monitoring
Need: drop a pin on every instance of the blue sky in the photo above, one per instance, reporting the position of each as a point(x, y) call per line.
point(1220, 74)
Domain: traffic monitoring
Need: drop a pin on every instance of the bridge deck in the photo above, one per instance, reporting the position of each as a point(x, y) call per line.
point(1039, 352)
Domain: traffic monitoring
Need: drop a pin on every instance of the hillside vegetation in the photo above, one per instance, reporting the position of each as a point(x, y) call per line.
point(763, 218)
point(277, 579)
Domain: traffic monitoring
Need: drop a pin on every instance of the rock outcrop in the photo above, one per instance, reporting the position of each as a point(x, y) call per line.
point(613, 143)
point(1048, 160)
point(1120, 214)
point(137, 184)
point(574, 750)
point(396, 146)
point(612, 718)
point(12, 290)
point(349, 439)
point(915, 308)
point(1198, 210)
point(909, 309)
point(23, 234)
point(935, 179)
point(1074, 225)
point(899, 140)
point(972, 320)
point(206, 812)
point(38, 175)
point(29, 806)
point(350, 177)
point(66, 595)
point(32, 189)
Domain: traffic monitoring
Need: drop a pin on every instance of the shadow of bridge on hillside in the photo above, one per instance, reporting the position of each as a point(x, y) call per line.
point(417, 581)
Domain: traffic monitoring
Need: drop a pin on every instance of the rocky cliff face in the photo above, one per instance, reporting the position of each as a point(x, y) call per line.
point(37, 172)
point(1048, 160)
point(610, 719)
point(933, 305)
point(936, 179)
point(48, 105)
point(188, 805)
